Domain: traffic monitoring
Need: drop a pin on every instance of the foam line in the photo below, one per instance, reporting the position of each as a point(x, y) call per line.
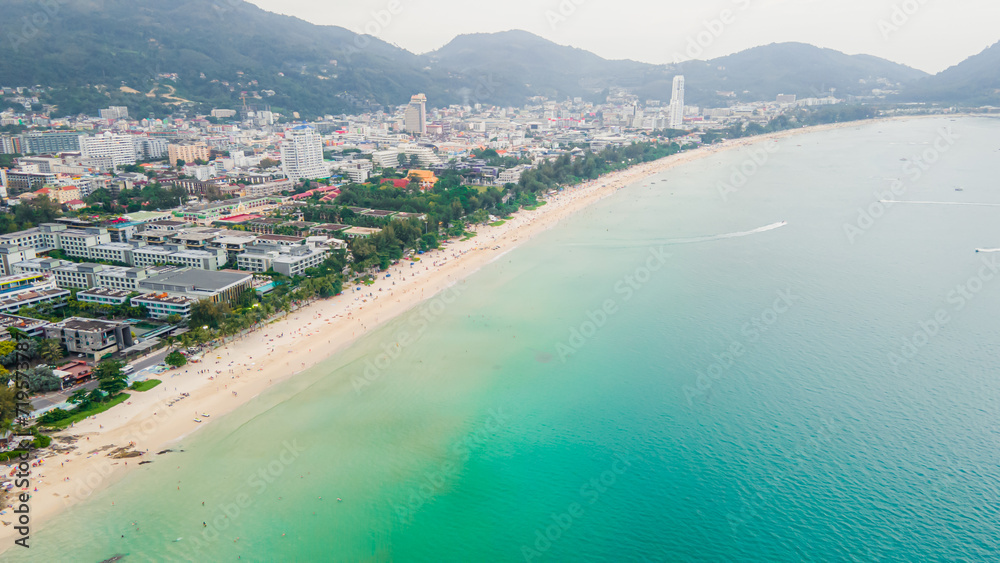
point(941, 203)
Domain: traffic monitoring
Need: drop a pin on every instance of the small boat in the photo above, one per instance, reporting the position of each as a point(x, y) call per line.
point(197, 420)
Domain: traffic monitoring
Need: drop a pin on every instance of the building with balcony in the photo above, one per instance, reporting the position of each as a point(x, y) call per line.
point(162, 305)
point(92, 337)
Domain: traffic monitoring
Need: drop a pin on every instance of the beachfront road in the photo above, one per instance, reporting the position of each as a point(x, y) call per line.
point(50, 399)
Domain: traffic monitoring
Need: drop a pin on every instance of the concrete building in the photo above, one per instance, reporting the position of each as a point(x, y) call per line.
point(126, 279)
point(108, 150)
point(51, 142)
point(38, 266)
point(415, 117)
point(78, 276)
point(162, 305)
point(120, 252)
point(150, 148)
point(268, 188)
point(290, 261)
point(198, 284)
point(17, 182)
point(10, 255)
point(386, 159)
point(302, 154)
point(92, 337)
point(103, 296)
point(28, 290)
point(60, 194)
point(32, 327)
point(188, 152)
point(74, 242)
point(114, 113)
point(208, 259)
point(677, 104)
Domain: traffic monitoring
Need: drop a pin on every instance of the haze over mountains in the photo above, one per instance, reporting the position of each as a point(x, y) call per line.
point(221, 48)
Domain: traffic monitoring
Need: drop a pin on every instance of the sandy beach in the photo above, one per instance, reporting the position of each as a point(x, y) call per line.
point(93, 454)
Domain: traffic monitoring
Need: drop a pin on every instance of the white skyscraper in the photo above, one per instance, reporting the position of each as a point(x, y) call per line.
point(108, 150)
point(677, 104)
point(415, 119)
point(302, 154)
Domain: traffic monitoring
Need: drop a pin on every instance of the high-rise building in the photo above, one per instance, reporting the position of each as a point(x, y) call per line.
point(10, 145)
point(50, 142)
point(108, 150)
point(677, 104)
point(415, 119)
point(114, 112)
point(302, 154)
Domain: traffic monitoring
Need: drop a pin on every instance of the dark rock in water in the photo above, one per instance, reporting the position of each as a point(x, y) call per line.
point(164, 452)
point(144, 462)
point(113, 559)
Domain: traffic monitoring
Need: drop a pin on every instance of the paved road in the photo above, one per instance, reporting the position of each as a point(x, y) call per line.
point(57, 397)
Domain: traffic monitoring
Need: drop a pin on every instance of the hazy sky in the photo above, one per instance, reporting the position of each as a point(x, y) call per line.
point(927, 34)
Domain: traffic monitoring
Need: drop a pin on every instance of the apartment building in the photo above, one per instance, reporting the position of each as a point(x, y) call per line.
point(120, 252)
point(12, 254)
point(208, 259)
point(38, 266)
point(286, 260)
point(103, 296)
point(92, 337)
point(302, 154)
point(162, 305)
point(188, 152)
point(108, 150)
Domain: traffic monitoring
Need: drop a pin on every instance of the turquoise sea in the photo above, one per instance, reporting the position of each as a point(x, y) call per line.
point(633, 386)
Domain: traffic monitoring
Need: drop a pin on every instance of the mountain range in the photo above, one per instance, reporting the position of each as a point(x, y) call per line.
point(151, 55)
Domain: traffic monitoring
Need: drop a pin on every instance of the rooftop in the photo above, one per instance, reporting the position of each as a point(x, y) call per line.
point(23, 323)
point(164, 298)
point(193, 279)
point(87, 325)
point(105, 292)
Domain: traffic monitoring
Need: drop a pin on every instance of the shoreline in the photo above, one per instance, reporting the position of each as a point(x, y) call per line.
point(230, 376)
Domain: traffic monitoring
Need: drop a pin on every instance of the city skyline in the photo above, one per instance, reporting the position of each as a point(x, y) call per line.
point(897, 30)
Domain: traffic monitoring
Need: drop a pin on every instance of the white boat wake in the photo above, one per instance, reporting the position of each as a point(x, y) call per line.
point(988, 250)
point(941, 203)
point(711, 238)
point(679, 241)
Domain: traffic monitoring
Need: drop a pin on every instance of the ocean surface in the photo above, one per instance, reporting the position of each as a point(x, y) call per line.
point(703, 367)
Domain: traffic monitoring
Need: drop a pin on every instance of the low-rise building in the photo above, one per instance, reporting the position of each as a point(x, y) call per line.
point(361, 232)
point(27, 325)
point(287, 260)
point(95, 338)
point(208, 259)
point(38, 266)
point(78, 276)
point(11, 254)
point(219, 286)
point(120, 252)
point(32, 297)
point(103, 296)
point(162, 305)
